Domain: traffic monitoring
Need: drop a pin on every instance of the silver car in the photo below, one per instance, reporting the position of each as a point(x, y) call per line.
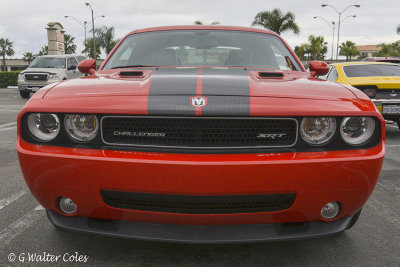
point(48, 69)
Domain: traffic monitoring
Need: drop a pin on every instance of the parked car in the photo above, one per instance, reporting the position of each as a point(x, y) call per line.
point(378, 80)
point(199, 134)
point(382, 59)
point(48, 69)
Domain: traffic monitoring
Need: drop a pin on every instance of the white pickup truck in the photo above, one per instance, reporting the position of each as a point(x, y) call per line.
point(48, 69)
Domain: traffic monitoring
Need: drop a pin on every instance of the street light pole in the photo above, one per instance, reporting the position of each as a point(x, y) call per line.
point(94, 40)
point(340, 15)
point(333, 26)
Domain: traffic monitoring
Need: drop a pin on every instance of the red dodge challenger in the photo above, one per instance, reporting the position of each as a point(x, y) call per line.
point(201, 134)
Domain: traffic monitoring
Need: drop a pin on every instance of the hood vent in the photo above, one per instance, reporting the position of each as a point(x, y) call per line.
point(128, 74)
point(272, 74)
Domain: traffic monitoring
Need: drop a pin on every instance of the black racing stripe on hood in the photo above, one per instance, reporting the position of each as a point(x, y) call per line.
point(228, 92)
point(169, 95)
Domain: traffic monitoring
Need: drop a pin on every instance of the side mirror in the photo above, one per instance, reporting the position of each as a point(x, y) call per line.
point(88, 66)
point(72, 67)
point(318, 68)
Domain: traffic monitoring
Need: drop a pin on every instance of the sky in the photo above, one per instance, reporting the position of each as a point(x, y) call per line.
point(24, 21)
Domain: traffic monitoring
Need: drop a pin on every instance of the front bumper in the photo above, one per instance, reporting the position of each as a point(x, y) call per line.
point(316, 178)
point(201, 234)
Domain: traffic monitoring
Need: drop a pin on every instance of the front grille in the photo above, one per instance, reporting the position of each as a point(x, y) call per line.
point(198, 204)
point(36, 77)
point(208, 133)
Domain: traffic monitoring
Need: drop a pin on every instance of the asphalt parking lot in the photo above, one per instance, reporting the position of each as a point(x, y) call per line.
point(24, 228)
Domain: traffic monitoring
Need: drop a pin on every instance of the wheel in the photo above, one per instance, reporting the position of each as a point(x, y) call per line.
point(398, 122)
point(24, 94)
point(354, 219)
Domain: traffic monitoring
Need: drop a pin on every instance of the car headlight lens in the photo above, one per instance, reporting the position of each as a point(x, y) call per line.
point(318, 131)
point(357, 130)
point(44, 126)
point(54, 77)
point(21, 77)
point(81, 127)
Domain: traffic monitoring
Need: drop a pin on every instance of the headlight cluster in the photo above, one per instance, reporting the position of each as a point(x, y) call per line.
point(44, 127)
point(79, 127)
point(55, 76)
point(21, 77)
point(355, 131)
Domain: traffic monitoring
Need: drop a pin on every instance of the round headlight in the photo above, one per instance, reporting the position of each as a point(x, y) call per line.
point(317, 131)
point(43, 126)
point(81, 127)
point(357, 130)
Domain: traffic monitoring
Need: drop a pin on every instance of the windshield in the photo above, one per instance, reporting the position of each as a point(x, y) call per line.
point(48, 62)
point(203, 48)
point(371, 70)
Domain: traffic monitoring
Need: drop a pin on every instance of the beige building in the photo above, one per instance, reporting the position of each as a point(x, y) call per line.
point(368, 49)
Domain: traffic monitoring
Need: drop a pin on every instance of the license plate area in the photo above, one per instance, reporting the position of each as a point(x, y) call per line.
point(392, 108)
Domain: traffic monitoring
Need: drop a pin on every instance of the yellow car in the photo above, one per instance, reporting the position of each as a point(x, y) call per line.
point(379, 80)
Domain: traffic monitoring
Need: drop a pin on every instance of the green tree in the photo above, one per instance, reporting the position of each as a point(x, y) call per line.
point(276, 21)
point(198, 22)
point(349, 50)
point(28, 57)
point(388, 50)
point(6, 49)
point(317, 47)
point(302, 51)
point(43, 51)
point(105, 38)
point(69, 45)
point(89, 48)
point(398, 29)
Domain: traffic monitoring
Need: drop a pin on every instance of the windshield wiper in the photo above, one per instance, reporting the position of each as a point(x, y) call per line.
point(131, 66)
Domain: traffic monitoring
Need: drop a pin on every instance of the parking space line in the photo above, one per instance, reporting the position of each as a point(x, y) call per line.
point(390, 187)
point(9, 128)
point(8, 124)
point(391, 215)
point(17, 227)
point(8, 200)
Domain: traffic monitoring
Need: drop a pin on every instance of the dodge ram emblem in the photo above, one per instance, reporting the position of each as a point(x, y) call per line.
point(198, 102)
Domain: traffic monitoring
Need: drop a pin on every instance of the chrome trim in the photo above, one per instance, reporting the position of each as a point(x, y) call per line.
point(36, 73)
point(200, 148)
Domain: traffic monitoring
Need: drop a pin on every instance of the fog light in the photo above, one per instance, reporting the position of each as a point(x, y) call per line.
point(330, 210)
point(67, 205)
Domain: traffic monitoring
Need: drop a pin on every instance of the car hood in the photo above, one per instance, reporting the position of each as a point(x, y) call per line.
point(46, 70)
point(202, 82)
point(382, 82)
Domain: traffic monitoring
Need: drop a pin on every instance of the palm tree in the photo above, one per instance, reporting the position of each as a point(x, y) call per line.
point(28, 57)
point(198, 22)
point(388, 50)
point(302, 51)
point(317, 47)
point(69, 45)
point(276, 21)
point(89, 48)
point(105, 38)
point(43, 51)
point(349, 50)
point(6, 50)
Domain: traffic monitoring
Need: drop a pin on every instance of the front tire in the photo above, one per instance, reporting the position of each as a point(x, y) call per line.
point(24, 94)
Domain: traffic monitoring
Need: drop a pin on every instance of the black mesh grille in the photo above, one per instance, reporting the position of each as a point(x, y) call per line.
point(199, 132)
point(198, 204)
point(36, 77)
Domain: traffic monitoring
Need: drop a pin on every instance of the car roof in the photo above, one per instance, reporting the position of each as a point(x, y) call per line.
point(63, 56)
point(341, 64)
point(202, 27)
